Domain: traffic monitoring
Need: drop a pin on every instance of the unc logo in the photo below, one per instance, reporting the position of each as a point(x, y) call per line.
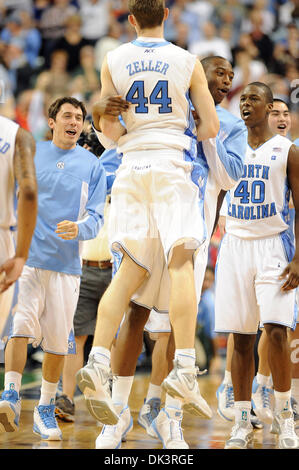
point(60, 165)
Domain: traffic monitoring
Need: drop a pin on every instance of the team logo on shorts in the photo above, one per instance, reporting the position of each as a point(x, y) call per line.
point(60, 165)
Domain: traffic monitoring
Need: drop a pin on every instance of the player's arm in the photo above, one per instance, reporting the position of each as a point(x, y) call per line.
point(108, 123)
point(204, 104)
point(292, 270)
point(24, 170)
point(110, 105)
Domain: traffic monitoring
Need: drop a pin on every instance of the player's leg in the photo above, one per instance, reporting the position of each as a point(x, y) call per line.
point(294, 347)
point(124, 355)
point(182, 313)
point(225, 391)
point(261, 392)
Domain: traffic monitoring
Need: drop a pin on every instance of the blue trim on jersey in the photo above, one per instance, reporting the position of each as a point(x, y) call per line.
point(296, 142)
point(287, 237)
point(260, 146)
point(190, 154)
point(150, 45)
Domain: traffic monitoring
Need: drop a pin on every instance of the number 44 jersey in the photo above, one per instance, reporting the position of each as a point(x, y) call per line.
point(154, 75)
point(258, 205)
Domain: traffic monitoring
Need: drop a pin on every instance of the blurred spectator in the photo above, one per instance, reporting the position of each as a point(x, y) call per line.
point(56, 79)
point(22, 109)
point(289, 13)
point(72, 41)
point(95, 16)
point(87, 70)
point(107, 43)
point(211, 44)
point(33, 40)
point(19, 70)
point(52, 25)
point(229, 16)
point(260, 39)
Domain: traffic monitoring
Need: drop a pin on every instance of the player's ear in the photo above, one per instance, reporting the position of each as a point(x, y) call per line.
point(51, 123)
point(132, 20)
point(166, 13)
point(269, 107)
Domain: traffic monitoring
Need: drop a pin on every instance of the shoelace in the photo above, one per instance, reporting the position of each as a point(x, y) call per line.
point(175, 430)
point(229, 396)
point(48, 418)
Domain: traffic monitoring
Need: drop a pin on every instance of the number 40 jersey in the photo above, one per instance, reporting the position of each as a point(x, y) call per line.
point(258, 205)
point(154, 75)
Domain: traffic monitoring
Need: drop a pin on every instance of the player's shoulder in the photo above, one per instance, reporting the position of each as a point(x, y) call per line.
point(86, 154)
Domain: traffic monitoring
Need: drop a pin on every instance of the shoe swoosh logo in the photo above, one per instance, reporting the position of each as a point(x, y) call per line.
point(189, 381)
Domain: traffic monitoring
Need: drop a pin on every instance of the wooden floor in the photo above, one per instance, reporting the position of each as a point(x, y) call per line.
point(199, 433)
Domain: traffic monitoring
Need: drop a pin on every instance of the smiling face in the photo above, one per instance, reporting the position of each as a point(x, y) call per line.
point(280, 119)
point(254, 105)
point(67, 126)
point(219, 75)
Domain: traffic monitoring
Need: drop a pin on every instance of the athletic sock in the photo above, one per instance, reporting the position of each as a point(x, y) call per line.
point(171, 402)
point(263, 380)
point(47, 392)
point(121, 389)
point(12, 381)
point(242, 412)
point(227, 377)
point(153, 391)
point(185, 357)
point(282, 401)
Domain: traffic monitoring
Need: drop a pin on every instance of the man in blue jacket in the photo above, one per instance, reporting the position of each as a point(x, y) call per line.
point(71, 197)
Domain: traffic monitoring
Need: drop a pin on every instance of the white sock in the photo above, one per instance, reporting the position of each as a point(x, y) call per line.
point(47, 392)
point(185, 357)
point(282, 401)
point(121, 389)
point(295, 389)
point(153, 391)
point(173, 402)
point(227, 377)
point(101, 355)
point(12, 381)
point(242, 412)
point(263, 380)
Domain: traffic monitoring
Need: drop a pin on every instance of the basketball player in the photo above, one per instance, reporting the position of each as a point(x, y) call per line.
point(231, 145)
point(17, 149)
point(71, 196)
point(257, 291)
point(154, 200)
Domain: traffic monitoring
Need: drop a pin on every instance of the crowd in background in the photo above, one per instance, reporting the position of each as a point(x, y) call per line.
point(50, 48)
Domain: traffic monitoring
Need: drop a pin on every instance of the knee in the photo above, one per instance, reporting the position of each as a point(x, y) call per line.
point(243, 344)
point(277, 335)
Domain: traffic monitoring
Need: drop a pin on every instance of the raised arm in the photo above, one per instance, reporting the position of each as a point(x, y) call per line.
point(109, 123)
point(292, 270)
point(204, 104)
point(24, 171)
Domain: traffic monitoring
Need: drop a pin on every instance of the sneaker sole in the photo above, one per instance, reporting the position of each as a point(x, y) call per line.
point(235, 446)
point(101, 410)
point(7, 418)
point(45, 437)
point(190, 407)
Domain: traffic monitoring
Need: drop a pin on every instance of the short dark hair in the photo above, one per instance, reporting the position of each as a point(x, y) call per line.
point(279, 100)
point(267, 90)
point(148, 13)
point(207, 60)
point(55, 107)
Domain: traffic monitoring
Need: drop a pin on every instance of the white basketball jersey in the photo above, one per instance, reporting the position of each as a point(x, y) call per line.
point(8, 131)
point(258, 206)
point(154, 75)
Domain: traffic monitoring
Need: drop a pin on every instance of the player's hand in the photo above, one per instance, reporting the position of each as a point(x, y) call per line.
point(67, 230)
point(10, 271)
point(291, 272)
point(112, 105)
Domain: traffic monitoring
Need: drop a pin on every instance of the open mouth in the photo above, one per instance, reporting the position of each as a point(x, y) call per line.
point(281, 126)
point(71, 132)
point(246, 114)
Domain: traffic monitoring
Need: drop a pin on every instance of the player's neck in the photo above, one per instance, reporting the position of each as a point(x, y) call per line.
point(258, 135)
point(157, 32)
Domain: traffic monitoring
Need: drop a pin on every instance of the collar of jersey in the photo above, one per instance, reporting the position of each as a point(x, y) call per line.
point(150, 42)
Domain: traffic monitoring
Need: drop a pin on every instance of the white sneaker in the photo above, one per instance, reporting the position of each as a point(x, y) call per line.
point(260, 400)
point(148, 412)
point(167, 427)
point(182, 383)
point(93, 381)
point(45, 424)
point(226, 402)
point(111, 437)
point(241, 436)
point(10, 409)
point(283, 425)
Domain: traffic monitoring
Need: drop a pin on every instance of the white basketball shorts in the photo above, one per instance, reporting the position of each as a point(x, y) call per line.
point(248, 288)
point(46, 306)
point(154, 201)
